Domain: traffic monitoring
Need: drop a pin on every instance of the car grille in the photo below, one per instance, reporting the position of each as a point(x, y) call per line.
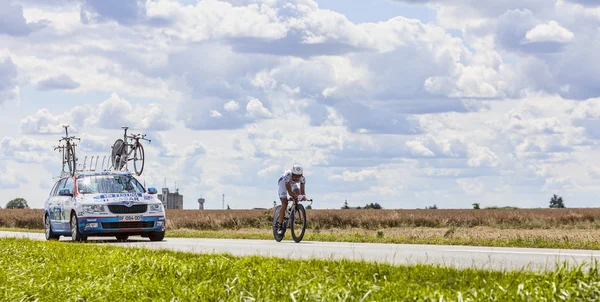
point(128, 225)
point(121, 209)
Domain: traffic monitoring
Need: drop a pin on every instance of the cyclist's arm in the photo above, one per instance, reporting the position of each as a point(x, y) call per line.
point(289, 189)
point(302, 189)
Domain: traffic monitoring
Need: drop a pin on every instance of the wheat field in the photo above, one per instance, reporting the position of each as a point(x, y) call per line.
point(582, 218)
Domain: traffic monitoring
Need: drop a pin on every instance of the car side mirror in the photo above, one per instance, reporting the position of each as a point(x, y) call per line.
point(65, 192)
point(152, 191)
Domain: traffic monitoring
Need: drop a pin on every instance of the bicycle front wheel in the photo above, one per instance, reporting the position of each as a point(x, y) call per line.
point(139, 156)
point(298, 225)
point(276, 236)
point(118, 151)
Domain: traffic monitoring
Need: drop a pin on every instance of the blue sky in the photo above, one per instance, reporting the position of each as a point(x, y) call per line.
point(402, 102)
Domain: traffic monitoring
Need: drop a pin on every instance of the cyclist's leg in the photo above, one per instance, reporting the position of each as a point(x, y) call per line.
point(284, 204)
point(283, 197)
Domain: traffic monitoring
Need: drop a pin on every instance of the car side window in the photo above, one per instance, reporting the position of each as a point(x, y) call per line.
point(69, 184)
point(53, 190)
point(60, 185)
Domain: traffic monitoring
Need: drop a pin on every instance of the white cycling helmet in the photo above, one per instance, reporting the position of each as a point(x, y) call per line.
point(297, 170)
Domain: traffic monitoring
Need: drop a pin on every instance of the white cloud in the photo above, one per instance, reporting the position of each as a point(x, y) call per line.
point(470, 186)
point(232, 106)
point(13, 23)
point(256, 109)
point(9, 91)
point(417, 147)
point(26, 150)
point(588, 109)
point(362, 175)
point(44, 122)
point(113, 113)
point(211, 19)
point(481, 156)
point(11, 178)
point(270, 170)
point(215, 113)
point(551, 32)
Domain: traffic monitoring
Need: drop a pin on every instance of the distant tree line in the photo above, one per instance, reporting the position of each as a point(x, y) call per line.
point(17, 203)
point(556, 202)
point(371, 205)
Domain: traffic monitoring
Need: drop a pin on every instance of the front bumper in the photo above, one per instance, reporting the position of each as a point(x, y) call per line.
point(108, 225)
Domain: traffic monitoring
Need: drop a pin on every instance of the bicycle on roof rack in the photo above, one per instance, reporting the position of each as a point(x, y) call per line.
point(294, 214)
point(68, 152)
point(122, 149)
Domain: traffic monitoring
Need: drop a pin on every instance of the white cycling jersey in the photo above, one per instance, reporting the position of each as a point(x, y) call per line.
point(286, 178)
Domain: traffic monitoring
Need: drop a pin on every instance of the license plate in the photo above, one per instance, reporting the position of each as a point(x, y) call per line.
point(130, 217)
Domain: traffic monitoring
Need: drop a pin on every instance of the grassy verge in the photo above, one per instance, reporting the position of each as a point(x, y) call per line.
point(482, 236)
point(530, 241)
point(30, 270)
point(21, 230)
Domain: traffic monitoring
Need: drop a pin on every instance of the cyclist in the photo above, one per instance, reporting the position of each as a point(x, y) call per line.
point(293, 177)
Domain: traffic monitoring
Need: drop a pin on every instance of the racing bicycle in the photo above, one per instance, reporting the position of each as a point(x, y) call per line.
point(68, 151)
point(121, 151)
point(295, 213)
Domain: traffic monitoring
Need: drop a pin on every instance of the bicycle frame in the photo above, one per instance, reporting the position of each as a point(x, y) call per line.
point(63, 156)
point(68, 151)
point(131, 143)
point(292, 205)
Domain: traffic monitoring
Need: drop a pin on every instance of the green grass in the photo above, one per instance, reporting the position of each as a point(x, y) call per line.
point(62, 271)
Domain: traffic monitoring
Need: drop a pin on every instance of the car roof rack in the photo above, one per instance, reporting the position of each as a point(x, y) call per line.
point(90, 165)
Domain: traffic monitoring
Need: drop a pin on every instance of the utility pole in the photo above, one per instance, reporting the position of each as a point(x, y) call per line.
point(223, 201)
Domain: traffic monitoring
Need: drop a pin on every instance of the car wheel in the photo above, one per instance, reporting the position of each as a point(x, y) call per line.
point(157, 236)
point(75, 233)
point(122, 237)
point(48, 229)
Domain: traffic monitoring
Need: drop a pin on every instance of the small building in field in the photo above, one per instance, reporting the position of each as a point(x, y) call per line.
point(171, 200)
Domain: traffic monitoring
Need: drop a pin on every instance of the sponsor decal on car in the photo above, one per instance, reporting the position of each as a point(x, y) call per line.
point(120, 197)
point(115, 195)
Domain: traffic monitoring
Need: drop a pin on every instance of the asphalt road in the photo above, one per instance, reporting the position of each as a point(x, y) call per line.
point(457, 256)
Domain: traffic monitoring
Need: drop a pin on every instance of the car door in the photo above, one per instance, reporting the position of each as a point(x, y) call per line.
point(66, 203)
point(54, 206)
point(49, 203)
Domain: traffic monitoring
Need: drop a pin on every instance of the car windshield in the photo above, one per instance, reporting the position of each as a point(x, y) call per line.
point(95, 184)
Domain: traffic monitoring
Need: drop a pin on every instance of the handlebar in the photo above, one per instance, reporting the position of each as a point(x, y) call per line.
point(296, 199)
point(139, 136)
point(69, 138)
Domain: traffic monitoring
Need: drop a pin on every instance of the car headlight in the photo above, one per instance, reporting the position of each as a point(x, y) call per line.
point(156, 207)
point(93, 208)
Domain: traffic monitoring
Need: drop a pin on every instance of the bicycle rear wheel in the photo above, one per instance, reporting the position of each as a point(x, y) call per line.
point(71, 159)
point(298, 219)
point(277, 237)
point(118, 151)
point(138, 155)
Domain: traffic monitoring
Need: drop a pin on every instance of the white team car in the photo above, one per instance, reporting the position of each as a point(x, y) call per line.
point(103, 204)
